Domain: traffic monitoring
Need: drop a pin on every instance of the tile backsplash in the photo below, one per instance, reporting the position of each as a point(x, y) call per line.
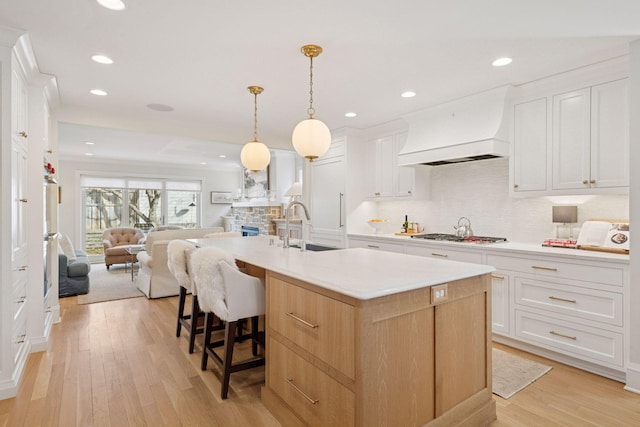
point(480, 191)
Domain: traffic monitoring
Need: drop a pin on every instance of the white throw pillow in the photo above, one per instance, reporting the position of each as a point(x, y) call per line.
point(67, 247)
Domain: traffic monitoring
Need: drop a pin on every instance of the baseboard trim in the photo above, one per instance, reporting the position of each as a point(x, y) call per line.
point(9, 387)
point(633, 378)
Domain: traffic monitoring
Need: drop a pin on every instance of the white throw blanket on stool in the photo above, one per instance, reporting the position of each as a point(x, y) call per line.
point(207, 276)
point(178, 252)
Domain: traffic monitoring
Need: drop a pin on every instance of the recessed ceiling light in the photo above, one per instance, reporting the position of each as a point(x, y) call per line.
point(88, 154)
point(501, 62)
point(203, 163)
point(408, 94)
point(98, 92)
point(160, 107)
point(89, 143)
point(350, 114)
point(112, 4)
point(222, 156)
point(101, 59)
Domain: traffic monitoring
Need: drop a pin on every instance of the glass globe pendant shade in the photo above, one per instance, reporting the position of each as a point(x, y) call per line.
point(311, 138)
point(255, 156)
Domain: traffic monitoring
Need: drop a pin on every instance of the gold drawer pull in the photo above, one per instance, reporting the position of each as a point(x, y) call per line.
point(21, 339)
point(304, 322)
point(23, 200)
point(537, 267)
point(593, 181)
point(441, 255)
point(21, 300)
point(562, 299)
point(497, 276)
point(23, 134)
point(585, 182)
point(306, 396)
point(373, 246)
point(562, 335)
point(22, 268)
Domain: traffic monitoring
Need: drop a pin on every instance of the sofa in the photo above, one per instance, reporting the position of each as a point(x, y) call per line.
point(116, 241)
point(154, 278)
point(73, 275)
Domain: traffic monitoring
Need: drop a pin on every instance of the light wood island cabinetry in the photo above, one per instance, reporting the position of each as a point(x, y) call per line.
point(399, 359)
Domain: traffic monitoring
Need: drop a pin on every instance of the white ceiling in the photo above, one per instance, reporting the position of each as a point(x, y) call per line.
point(199, 57)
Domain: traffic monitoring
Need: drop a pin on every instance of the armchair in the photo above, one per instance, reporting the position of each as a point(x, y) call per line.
point(116, 241)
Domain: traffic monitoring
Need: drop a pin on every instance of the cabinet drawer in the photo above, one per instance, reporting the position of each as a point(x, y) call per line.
point(381, 246)
point(585, 303)
point(550, 268)
point(19, 336)
point(444, 253)
point(321, 325)
point(570, 338)
point(314, 396)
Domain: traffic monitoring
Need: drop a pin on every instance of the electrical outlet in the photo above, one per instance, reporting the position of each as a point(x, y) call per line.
point(439, 293)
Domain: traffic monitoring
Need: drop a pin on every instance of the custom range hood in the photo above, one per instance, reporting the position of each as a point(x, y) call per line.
point(463, 130)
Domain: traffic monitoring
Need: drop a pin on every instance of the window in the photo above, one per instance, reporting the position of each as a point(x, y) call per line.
point(135, 202)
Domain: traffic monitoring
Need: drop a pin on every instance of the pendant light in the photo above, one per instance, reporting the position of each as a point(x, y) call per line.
point(255, 155)
point(311, 137)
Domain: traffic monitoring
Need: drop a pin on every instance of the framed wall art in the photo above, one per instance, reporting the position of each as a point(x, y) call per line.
point(221, 197)
point(255, 184)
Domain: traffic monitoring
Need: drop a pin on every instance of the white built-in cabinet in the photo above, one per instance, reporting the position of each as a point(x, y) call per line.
point(570, 309)
point(572, 142)
point(530, 146)
point(328, 196)
point(591, 137)
point(384, 177)
point(25, 304)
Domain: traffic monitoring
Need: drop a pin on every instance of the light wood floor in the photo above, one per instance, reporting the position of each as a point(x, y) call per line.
point(119, 364)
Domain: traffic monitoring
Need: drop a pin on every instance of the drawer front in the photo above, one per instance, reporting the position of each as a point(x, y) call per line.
point(314, 396)
point(321, 325)
point(445, 253)
point(570, 338)
point(381, 246)
point(550, 268)
point(585, 303)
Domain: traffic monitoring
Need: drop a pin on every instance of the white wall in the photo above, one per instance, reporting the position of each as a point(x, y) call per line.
point(70, 209)
point(480, 191)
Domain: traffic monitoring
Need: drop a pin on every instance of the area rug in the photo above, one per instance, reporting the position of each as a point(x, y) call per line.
point(109, 285)
point(513, 373)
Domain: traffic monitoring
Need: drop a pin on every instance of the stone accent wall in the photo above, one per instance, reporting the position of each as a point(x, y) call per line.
point(261, 217)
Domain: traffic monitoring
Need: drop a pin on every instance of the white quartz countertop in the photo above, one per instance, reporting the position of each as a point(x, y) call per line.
point(360, 273)
point(506, 247)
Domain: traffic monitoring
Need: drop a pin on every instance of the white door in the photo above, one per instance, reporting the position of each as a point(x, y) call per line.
point(530, 146)
point(327, 201)
point(571, 140)
point(610, 135)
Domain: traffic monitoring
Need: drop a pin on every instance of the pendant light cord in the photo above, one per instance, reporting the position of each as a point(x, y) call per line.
point(311, 111)
point(255, 117)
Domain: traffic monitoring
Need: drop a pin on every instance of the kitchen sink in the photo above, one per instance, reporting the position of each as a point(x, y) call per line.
point(315, 248)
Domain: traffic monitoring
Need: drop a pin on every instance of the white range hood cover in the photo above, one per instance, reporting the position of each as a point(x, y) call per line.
point(467, 129)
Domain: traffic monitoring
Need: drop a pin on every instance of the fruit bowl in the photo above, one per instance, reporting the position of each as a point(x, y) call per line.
point(378, 224)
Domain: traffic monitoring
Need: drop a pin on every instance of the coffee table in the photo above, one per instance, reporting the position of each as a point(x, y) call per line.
point(132, 251)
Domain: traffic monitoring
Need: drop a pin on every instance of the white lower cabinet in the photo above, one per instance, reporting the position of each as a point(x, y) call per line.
point(500, 302)
point(572, 309)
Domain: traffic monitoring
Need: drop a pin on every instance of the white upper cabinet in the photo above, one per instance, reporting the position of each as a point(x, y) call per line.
point(610, 135)
point(384, 178)
point(571, 139)
point(530, 146)
point(591, 137)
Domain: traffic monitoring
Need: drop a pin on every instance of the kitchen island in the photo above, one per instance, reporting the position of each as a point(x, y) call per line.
point(358, 337)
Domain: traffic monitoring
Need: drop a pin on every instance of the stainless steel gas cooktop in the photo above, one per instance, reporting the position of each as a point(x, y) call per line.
point(454, 238)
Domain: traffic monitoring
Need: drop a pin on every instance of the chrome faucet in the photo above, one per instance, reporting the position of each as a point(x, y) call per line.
point(285, 243)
